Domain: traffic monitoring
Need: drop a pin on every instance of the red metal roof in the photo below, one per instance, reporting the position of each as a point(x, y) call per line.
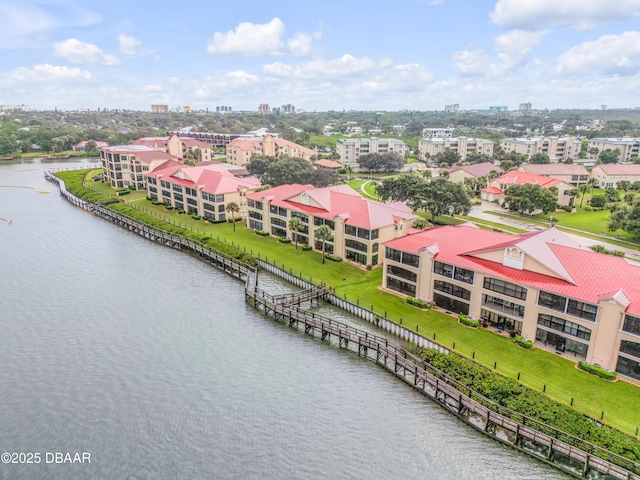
point(211, 178)
point(339, 200)
point(595, 275)
point(515, 177)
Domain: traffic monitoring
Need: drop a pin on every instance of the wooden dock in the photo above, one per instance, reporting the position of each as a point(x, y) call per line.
point(570, 454)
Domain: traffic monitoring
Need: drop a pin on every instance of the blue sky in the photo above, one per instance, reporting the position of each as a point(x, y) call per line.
point(329, 55)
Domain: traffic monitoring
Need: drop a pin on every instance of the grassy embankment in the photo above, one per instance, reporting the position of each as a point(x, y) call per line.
point(620, 401)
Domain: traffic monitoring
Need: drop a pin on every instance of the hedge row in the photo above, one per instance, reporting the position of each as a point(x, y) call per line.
point(600, 372)
point(518, 340)
point(417, 303)
point(467, 321)
point(534, 404)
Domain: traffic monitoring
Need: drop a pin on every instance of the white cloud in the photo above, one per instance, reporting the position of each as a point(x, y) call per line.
point(82, 53)
point(128, 45)
point(609, 54)
point(45, 73)
point(29, 25)
point(471, 63)
point(576, 14)
point(151, 87)
point(251, 39)
point(514, 47)
point(346, 65)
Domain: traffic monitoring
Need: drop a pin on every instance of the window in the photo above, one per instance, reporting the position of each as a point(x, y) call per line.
point(275, 210)
point(402, 257)
point(278, 232)
point(255, 225)
point(582, 310)
point(443, 269)
point(451, 304)
point(209, 207)
point(554, 302)
point(565, 326)
point(317, 221)
point(400, 286)
point(352, 256)
point(631, 324)
point(402, 273)
point(178, 197)
point(152, 181)
point(192, 201)
point(176, 188)
point(463, 275)
point(506, 288)
point(374, 247)
point(278, 222)
point(630, 348)
point(221, 208)
point(301, 216)
point(256, 215)
point(362, 247)
point(153, 189)
point(504, 306)
point(451, 289)
point(190, 191)
point(628, 367)
point(562, 344)
point(254, 204)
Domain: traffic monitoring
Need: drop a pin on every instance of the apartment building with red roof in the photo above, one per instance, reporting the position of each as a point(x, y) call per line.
point(358, 225)
point(570, 173)
point(240, 150)
point(495, 189)
point(609, 174)
point(126, 165)
point(543, 284)
point(202, 190)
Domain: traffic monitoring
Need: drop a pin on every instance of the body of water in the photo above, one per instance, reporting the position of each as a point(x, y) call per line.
point(151, 362)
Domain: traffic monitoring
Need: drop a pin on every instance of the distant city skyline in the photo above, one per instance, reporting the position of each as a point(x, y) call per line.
point(403, 55)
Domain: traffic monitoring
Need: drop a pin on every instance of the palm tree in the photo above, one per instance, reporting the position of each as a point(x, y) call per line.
point(295, 225)
point(323, 234)
point(233, 208)
point(349, 170)
point(583, 189)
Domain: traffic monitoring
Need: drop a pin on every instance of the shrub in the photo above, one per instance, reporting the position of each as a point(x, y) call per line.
point(463, 319)
point(124, 191)
point(334, 258)
point(518, 340)
point(234, 220)
point(284, 240)
point(567, 208)
point(180, 211)
point(196, 217)
point(588, 208)
point(306, 248)
point(262, 233)
point(417, 303)
point(169, 207)
point(600, 372)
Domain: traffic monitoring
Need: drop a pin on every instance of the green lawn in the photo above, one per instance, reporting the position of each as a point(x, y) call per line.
point(619, 238)
point(619, 400)
point(492, 225)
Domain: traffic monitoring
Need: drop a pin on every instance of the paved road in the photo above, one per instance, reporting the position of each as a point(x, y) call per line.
point(478, 211)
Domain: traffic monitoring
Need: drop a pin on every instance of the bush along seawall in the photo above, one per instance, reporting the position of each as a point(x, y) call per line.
point(496, 405)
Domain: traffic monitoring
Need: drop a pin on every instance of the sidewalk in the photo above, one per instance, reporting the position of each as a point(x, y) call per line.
point(478, 211)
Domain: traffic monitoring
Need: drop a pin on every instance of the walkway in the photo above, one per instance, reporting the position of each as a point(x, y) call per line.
point(479, 212)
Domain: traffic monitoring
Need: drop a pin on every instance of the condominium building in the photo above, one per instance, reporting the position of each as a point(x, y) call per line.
point(240, 150)
point(557, 149)
point(540, 284)
point(567, 172)
point(178, 146)
point(351, 149)
point(525, 107)
point(629, 147)
point(494, 192)
point(463, 172)
point(432, 132)
point(609, 174)
point(264, 109)
point(463, 146)
point(204, 190)
point(127, 165)
point(358, 225)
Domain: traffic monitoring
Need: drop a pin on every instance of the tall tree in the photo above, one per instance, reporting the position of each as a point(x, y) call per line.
point(441, 197)
point(295, 225)
point(323, 234)
point(529, 198)
point(401, 188)
point(375, 162)
point(233, 208)
point(609, 156)
point(539, 158)
point(627, 219)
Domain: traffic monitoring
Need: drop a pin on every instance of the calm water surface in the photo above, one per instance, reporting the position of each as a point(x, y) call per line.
point(151, 361)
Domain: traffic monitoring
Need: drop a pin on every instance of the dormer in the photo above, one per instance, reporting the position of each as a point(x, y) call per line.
point(513, 257)
point(304, 198)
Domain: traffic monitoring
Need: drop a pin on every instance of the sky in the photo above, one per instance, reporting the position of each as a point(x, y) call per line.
point(331, 55)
